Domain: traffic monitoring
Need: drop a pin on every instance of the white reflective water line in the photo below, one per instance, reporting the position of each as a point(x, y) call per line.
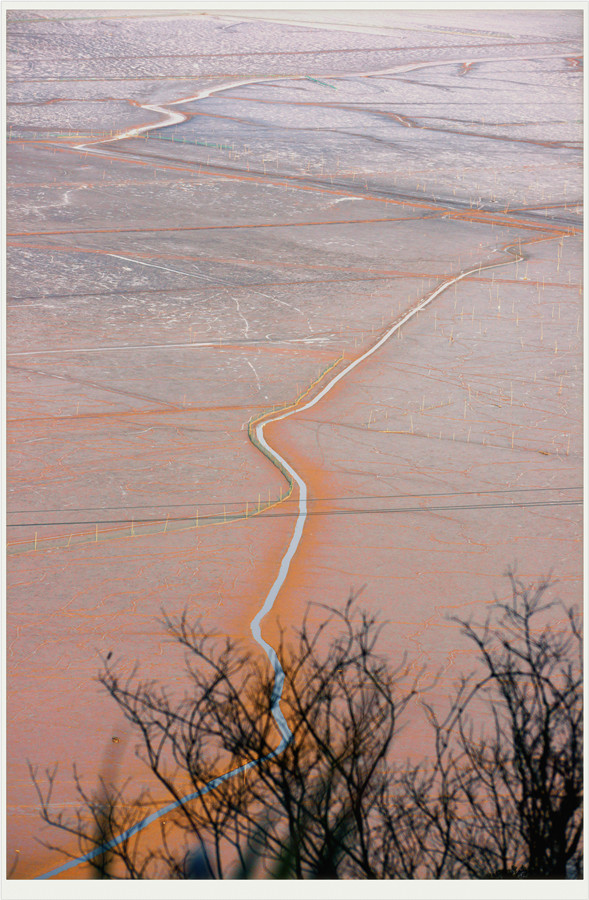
point(172, 118)
point(176, 118)
point(281, 577)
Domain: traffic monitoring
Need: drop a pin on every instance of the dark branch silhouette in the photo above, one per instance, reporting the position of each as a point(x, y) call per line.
point(500, 796)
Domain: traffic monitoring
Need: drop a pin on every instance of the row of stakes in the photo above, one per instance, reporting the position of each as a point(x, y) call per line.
point(247, 514)
point(145, 527)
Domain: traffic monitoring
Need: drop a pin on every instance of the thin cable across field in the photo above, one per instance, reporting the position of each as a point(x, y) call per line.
point(349, 498)
point(362, 511)
point(301, 517)
point(284, 467)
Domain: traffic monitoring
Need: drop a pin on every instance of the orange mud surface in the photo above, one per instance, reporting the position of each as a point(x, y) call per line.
point(451, 454)
point(162, 294)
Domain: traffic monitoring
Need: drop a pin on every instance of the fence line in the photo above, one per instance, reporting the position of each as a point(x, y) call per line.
point(164, 525)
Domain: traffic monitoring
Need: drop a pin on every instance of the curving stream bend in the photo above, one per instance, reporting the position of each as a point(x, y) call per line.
point(255, 625)
point(174, 118)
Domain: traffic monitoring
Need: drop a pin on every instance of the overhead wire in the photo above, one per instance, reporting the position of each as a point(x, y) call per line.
point(328, 512)
point(309, 500)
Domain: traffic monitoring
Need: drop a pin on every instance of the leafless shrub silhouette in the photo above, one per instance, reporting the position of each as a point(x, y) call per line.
point(504, 797)
point(501, 796)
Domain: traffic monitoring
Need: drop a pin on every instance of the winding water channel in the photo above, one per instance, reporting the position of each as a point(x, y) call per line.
point(512, 254)
point(289, 554)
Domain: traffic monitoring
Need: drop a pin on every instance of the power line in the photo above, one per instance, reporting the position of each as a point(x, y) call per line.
point(333, 512)
point(309, 500)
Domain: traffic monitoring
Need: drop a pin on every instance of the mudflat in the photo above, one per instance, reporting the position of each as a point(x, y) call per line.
point(210, 218)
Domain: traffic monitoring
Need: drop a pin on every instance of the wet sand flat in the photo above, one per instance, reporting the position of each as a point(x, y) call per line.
point(170, 287)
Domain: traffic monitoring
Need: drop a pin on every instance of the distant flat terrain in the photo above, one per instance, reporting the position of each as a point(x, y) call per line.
point(209, 218)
